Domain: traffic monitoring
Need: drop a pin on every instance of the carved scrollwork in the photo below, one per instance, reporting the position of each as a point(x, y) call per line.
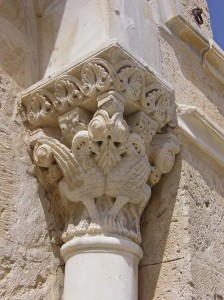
point(111, 148)
point(165, 158)
point(98, 76)
point(164, 147)
point(40, 107)
point(43, 156)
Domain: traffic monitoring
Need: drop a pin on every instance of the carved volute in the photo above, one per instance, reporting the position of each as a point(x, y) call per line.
point(102, 132)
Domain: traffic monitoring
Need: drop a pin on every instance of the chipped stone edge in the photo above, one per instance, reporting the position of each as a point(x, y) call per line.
point(200, 43)
point(205, 133)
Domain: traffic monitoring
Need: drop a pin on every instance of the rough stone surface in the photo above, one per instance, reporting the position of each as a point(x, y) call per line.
point(182, 230)
point(205, 200)
point(193, 84)
point(165, 267)
point(182, 226)
point(29, 268)
point(188, 5)
point(30, 264)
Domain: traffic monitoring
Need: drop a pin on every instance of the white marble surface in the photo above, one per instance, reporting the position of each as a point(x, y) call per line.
point(101, 267)
point(71, 29)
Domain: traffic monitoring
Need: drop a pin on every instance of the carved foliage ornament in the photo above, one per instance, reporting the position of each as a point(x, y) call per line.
point(111, 149)
point(97, 76)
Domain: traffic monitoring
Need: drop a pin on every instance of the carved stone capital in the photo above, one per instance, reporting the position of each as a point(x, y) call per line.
point(100, 136)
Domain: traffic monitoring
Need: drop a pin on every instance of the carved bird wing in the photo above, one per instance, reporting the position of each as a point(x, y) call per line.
point(137, 176)
point(65, 160)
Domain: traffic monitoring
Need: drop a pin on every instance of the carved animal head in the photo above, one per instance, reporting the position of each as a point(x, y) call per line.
point(43, 155)
point(80, 143)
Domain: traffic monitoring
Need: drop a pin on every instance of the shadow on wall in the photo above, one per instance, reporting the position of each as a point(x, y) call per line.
point(194, 203)
point(205, 187)
point(24, 27)
point(155, 226)
point(193, 83)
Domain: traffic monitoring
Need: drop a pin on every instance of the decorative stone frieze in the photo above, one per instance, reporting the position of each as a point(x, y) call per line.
point(102, 134)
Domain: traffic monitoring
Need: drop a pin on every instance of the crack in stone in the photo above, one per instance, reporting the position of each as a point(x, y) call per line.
point(162, 262)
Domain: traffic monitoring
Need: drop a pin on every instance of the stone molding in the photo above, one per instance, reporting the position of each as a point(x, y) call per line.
point(204, 132)
point(100, 243)
point(176, 24)
point(101, 267)
point(102, 136)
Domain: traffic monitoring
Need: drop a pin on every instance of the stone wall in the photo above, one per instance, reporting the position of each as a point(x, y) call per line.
point(182, 231)
point(182, 226)
point(188, 5)
point(30, 265)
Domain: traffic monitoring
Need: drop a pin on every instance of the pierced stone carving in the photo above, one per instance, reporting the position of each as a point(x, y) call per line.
point(111, 149)
point(109, 131)
point(72, 122)
point(130, 79)
point(157, 104)
point(143, 124)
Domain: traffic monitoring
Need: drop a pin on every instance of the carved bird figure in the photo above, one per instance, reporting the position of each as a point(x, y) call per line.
point(83, 180)
point(127, 181)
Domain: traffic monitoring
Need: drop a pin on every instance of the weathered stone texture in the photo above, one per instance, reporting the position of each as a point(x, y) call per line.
point(182, 232)
point(205, 190)
point(165, 268)
point(29, 262)
point(193, 84)
point(182, 227)
point(188, 5)
point(30, 266)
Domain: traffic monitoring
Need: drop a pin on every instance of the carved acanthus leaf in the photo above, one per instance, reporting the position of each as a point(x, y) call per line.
point(129, 79)
point(96, 75)
point(40, 108)
point(109, 130)
point(67, 91)
point(156, 104)
point(99, 75)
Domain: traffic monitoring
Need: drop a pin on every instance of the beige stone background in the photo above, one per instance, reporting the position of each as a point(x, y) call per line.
point(30, 267)
point(182, 227)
